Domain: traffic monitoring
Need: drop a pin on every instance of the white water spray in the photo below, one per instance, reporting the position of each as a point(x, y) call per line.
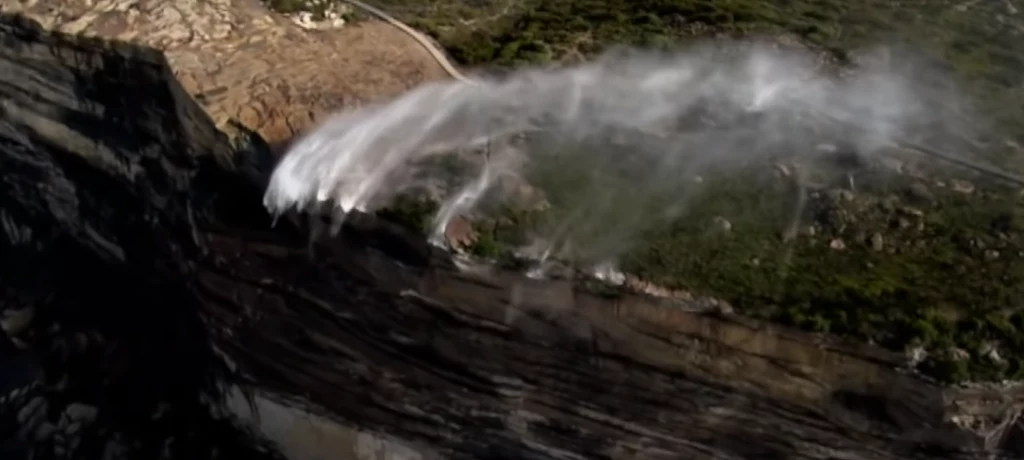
point(463, 201)
point(711, 106)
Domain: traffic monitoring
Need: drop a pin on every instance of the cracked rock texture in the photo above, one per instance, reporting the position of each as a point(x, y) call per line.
point(243, 62)
point(133, 232)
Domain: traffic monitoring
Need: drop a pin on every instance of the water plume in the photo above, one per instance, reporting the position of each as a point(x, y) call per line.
point(464, 200)
point(619, 142)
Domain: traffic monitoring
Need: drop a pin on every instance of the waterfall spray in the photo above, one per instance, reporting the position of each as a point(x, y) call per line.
point(464, 200)
point(713, 105)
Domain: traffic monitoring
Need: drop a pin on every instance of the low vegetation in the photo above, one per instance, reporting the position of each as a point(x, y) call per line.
point(979, 40)
point(414, 213)
point(903, 262)
point(908, 262)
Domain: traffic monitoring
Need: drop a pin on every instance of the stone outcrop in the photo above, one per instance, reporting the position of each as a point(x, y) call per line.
point(101, 150)
point(245, 63)
point(132, 229)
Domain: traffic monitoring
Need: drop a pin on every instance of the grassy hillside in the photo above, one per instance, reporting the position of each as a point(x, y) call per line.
point(904, 262)
point(981, 39)
point(932, 261)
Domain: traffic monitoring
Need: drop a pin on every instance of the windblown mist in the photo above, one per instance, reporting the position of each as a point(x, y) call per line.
point(618, 143)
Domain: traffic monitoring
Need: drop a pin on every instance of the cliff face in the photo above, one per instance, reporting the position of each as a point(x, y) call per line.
point(141, 271)
point(102, 187)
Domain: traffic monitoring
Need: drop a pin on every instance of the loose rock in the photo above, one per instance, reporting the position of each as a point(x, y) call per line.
point(721, 224)
point(877, 242)
point(920, 193)
point(961, 186)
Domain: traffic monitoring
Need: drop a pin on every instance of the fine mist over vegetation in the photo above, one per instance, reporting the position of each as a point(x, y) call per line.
point(799, 212)
point(718, 104)
point(978, 41)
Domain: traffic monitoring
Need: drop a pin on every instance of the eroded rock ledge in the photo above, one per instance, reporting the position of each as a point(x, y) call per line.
point(133, 233)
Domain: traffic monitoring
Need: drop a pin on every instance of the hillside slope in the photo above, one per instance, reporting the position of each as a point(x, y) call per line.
point(871, 261)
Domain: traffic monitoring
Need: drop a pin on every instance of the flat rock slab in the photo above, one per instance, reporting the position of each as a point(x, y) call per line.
point(244, 62)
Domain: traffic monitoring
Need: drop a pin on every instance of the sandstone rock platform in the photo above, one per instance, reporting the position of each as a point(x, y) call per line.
point(243, 62)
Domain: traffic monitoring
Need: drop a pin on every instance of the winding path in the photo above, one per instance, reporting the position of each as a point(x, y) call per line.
point(429, 45)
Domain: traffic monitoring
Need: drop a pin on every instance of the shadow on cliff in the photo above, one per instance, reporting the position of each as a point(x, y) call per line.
point(100, 153)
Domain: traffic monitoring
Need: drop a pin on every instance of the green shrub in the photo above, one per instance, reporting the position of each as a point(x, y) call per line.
point(411, 212)
point(946, 368)
point(486, 246)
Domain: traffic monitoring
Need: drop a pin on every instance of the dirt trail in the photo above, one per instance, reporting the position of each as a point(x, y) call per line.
point(429, 45)
point(244, 62)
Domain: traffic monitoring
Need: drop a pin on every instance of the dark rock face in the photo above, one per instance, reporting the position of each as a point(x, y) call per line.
point(141, 271)
point(102, 186)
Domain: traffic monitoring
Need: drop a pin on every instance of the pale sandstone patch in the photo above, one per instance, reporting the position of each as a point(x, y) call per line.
point(243, 62)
